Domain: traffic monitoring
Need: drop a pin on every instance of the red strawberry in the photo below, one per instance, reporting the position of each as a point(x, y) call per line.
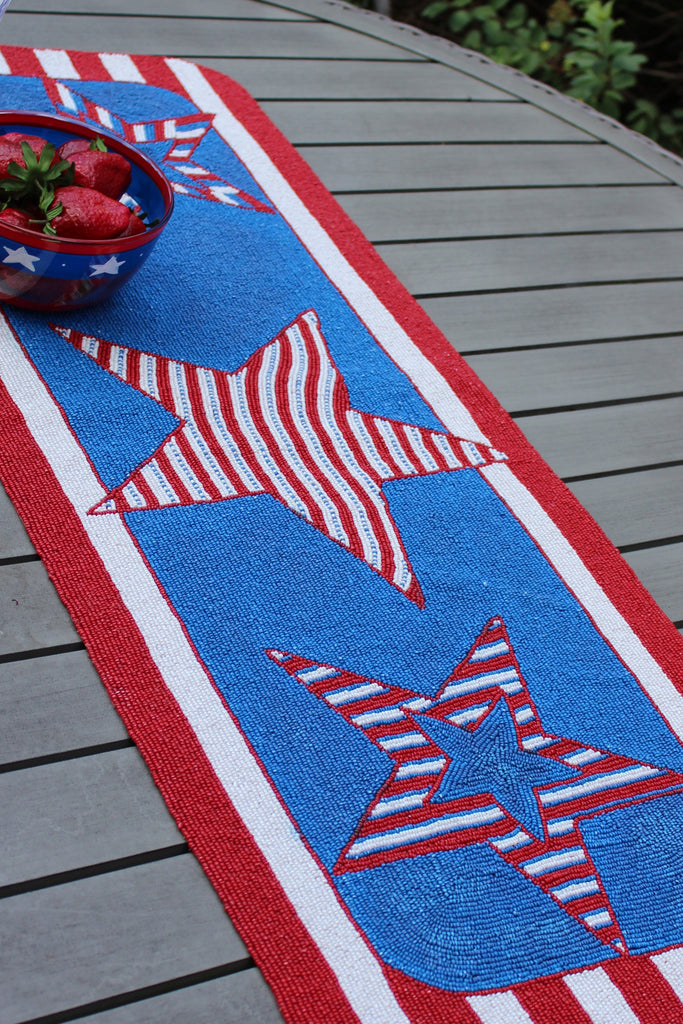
point(108, 173)
point(18, 219)
point(88, 214)
point(36, 142)
point(10, 149)
point(135, 226)
point(68, 149)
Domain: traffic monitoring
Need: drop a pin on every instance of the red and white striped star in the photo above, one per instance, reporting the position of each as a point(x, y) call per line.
point(282, 425)
point(415, 812)
point(183, 134)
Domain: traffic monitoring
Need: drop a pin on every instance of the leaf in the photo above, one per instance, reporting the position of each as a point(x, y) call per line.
point(459, 20)
point(38, 178)
point(430, 11)
point(494, 32)
point(29, 156)
point(55, 211)
point(98, 142)
point(12, 186)
point(517, 17)
point(472, 40)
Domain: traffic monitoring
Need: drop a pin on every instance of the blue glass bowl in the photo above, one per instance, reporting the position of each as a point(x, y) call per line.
point(45, 272)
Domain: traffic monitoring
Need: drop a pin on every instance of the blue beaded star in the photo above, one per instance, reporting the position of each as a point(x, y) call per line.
point(489, 760)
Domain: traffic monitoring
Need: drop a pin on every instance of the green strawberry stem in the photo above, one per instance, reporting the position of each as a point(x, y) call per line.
point(35, 184)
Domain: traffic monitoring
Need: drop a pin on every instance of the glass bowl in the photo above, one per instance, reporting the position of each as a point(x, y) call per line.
point(44, 272)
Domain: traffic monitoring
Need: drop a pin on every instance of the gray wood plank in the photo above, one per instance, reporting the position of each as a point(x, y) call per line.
point(31, 614)
point(13, 537)
point(167, 8)
point(579, 374)
point(354, 79)
point(376, 121)
point(76, 813)
point(635, 508)
point(234, 999)
point(486, 322)
point(516, 165)
point(498, 212)
point(70, 945)
point(601, 440)
point(430, 268)
point(54, 704)
point(661, 571)
point(194, 38)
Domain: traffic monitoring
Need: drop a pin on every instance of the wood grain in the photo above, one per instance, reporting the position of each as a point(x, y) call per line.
point(72, 944)
point(353, 79)
point(76, 813)
point(430, 268)
point(31, 614)
point(315, 122)
point(513, 165)
point(235, 999)
point(581, 374)
point(607, 439)
point(558, 315)
point(252, 9)
point(194, 38)
point(52, 705)
point(635, 508)
point(498, 212)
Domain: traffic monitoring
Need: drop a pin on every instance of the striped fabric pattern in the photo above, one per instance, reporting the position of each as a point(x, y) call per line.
point(405, 818)
point(627, 990)
point(184, 135)
point(282, 424)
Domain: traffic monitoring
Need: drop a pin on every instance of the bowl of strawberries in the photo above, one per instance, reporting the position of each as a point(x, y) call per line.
point(80, 211)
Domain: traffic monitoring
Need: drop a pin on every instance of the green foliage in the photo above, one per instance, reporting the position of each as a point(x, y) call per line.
point(502, 29)
point(666, 129)
point(601, 68)
point(571, 45)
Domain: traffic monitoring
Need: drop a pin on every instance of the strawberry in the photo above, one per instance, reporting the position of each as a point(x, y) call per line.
point(108, 173)
point(72, 146)
point(88, 214)
point(36, 142)
point(17, 218)
point(10, 149)
point(135, 226)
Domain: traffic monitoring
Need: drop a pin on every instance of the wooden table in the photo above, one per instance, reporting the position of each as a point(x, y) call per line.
point(545, 241)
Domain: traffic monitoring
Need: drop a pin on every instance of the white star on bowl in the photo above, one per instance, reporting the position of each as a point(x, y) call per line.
point(21, 256)
point(110, 267)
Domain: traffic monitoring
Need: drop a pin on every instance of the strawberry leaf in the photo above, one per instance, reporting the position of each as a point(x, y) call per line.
point(40, 174)
point(98, 144)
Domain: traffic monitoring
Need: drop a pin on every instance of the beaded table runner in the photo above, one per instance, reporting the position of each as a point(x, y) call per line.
point(417, 719)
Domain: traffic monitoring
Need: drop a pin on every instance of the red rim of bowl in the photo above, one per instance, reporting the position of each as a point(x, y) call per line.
point(34, 118)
